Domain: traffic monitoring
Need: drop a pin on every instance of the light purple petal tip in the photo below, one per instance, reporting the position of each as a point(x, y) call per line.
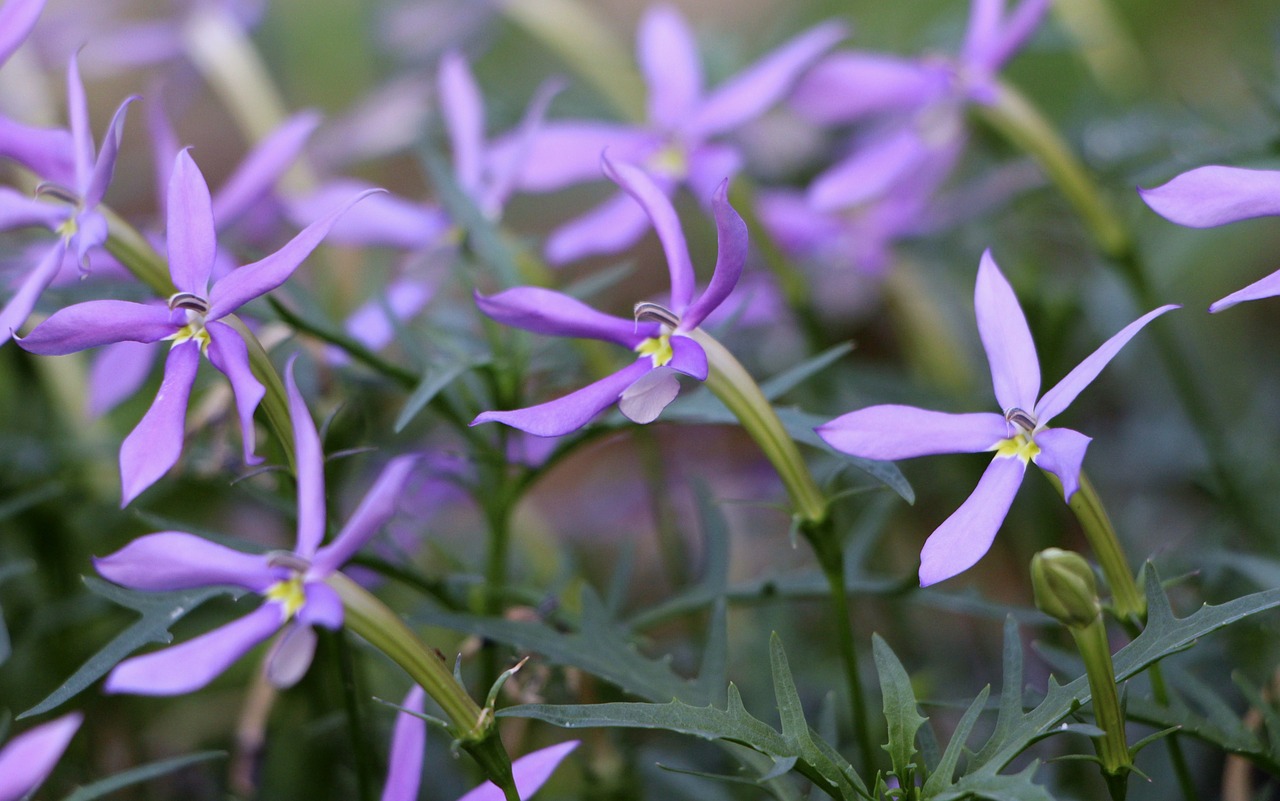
point(846, 87)
point(463, 111)
point(269, 160)
point(966, 536)
point(871, 171)
point(731, 256)
point(155, 444)
point(1062, 453)
point(669, 61)
point(688, 357)
point(1209, 196)
point(15, 312)
point(28, 759)
point(374, 511)
point(191, 240)
point(613, 226)
point(228, 353)
point(44, 151)
point(891, 432)
point(530, 772)
point(573, 411)
point(565, 153)
point(545, 311)
point(404, 773)
point(1267, 287)
point(17, 18)
point(104, 166)
point(652, 392)
point(323, 607)
point(291, 655)
point(175, 560)
point(98, 322)
point(653, 198)
point(118, 371)
point(309, 458)
point(1015, 368)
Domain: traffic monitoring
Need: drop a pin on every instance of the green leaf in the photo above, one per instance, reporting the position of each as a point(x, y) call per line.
point(32, 497)
point(1016, 787)
point(901, 710)
point(159, 611)
point(436, 379)
point(7, 572)
point(792, 377)
point(942, 776)
point(142, 773)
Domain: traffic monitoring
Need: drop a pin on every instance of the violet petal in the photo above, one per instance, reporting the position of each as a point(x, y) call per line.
point(1210, 196)
point(889, 432)
point(44, 151)
point(1062, 453)
point(530, 772)
point(175, 560)
point(1015, 368)
point(191, 240)
point(565, 153)
point(731, 256)
point(965, 536)
point(648, 395)
point(408, 740)
point(1264, 288)
point(17, 18)
point(291, 655)
point(230, 355)
point(118, 371)
point(668, 58)
point(265, 165)
point(546, 311)
point(847, 87)
point(155, 444)
point(613, 226)
point(653, 198)
point(688, 357)
point(105, 165)
point(309, 458)
point(573, 411)
point(97, 322)
point(374, 511)
point(28, 759)
point(15, 312)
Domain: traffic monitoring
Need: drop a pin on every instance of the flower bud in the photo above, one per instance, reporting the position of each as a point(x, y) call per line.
point(1065, 588)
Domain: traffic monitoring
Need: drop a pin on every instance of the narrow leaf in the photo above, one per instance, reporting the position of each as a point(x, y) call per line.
point(435, 380)
point(901, 710)
point(943, 773)
point(142, 773)
point(792, 377)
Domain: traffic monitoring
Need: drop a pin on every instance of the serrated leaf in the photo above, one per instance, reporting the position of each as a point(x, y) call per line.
point(142, 773)
point(1264, 707)
point(159, 610)
point(436, 379)
point(790, 711)
point(943, 773)
point(901, 710)
point(998, 787)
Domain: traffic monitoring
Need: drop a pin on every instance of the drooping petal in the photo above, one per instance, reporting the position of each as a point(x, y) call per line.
point(1066, 390)
point(688, 357)
point(105, 165)
point(891, 432)
point(645, 399)
point(291, 655)
point(653, 198)
point(15, 312)
point(374, 511)
point(530, 772)
point(17, 18)
point(1015, 368)
point(118, 371)
point(545, 311)
point(18, 210)
point(269, 160)
point(97, 322)
point(846, 87)
point(873, 169)
point(190, 236)
point(175, 560)
point(254, 280)
point(230, 355)
point(323, 606)
point(763, 84)
point(404, 771)
point(611, 227)
point(1267, 287)
point(155, 444)
point(44, 151)
point(309, 457)
point(573, 411)
point(565, 153)
point(463, 111)
point(191, 665)
point(1210, 196)
point(1062, 453)
point(91, 231)
point(668, 57)
point(28, 759)
point(963, 538)
point(731, 256)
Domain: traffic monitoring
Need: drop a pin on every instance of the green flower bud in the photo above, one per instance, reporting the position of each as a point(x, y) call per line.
point(1065, 588)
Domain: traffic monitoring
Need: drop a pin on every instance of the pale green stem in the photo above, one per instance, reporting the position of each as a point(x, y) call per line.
point(1113, 750)
point(137, 255)
point(729, 381)
point(472, 726)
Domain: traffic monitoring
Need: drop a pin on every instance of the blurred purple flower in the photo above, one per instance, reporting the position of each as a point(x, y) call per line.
point(27, 760)
point(76, 219)
point(1207, 197)
point(17, 18)
point(660, 335)
point(404, 773)
point(292, 582)
point(679, 142)
point(1018, 435)
point(190, 320)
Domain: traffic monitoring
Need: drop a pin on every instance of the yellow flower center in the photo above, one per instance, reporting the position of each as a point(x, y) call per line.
point(68, 228)
point(1020, 445)
point(290, 594)
point(659, 348)
point(670, 161)
point(192, 330)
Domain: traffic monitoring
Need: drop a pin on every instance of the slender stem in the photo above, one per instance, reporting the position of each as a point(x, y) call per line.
point(1113, 750)
point(1186, 782)
point(1128, 601)
point(356, 728)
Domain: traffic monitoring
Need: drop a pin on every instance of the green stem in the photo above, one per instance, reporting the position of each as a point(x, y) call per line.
point(351, 694)
point(135, 253)
point(1126, 598)
point(1113, 750)
point(1160, 692)
point(275, 404)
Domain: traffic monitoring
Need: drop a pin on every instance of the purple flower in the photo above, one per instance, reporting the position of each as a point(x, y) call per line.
point(404, 773)
point(28, 758)
point(17, 18)
point(679, 142)
point(76, 219)
point(190, 320)
point(659, 335)
point(1207, 197)
point(1018, 435)
point(291, 582)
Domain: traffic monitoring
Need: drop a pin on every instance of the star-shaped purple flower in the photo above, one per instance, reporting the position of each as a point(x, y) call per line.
point(658, 334)
point(1207, 197)
point(680, 141)
point(1020, 434)
point(291, 582)
point(27, 760)
point(190, 320)
point(404, 773)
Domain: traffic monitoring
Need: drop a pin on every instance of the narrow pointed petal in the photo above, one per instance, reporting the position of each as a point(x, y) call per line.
point(105, 165)
point(688, 357)
point(762, 85)
point(1066, 390)
point(17, 18)
point(191, 240)
point(291, 655)
point(1015, 368)
point(503, 167)
point(265, 165)
point(191, 665)
point(18, 210)
point(890, 432)
point(374, 511)
point(408, 741)
point(15, 312)
point(573, 411)
point(310, 470)
point(653, 198)
point(668, 57)
point(175, 560)
point(118, 371)
point(323, 606)
point(869, 172)
point(28, 759)
point(565, 153)
point(1018, 28)
point(983, 31)
point(847, 87)
point(611, 227)
point(710, 165)
point(97, 322)
point(1210, 196)
point(1062, 453)
point(463, 111)
point(230, 355)
point(381, 220)
point(645, 399)
point(731, 256)
point(78, 116)
point(254, 280)
point(155, 444)
point(164, 144)
point(44, 151)
point(530, 772)
point(1267, 287)
point(966, 536)
point(545, 311)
